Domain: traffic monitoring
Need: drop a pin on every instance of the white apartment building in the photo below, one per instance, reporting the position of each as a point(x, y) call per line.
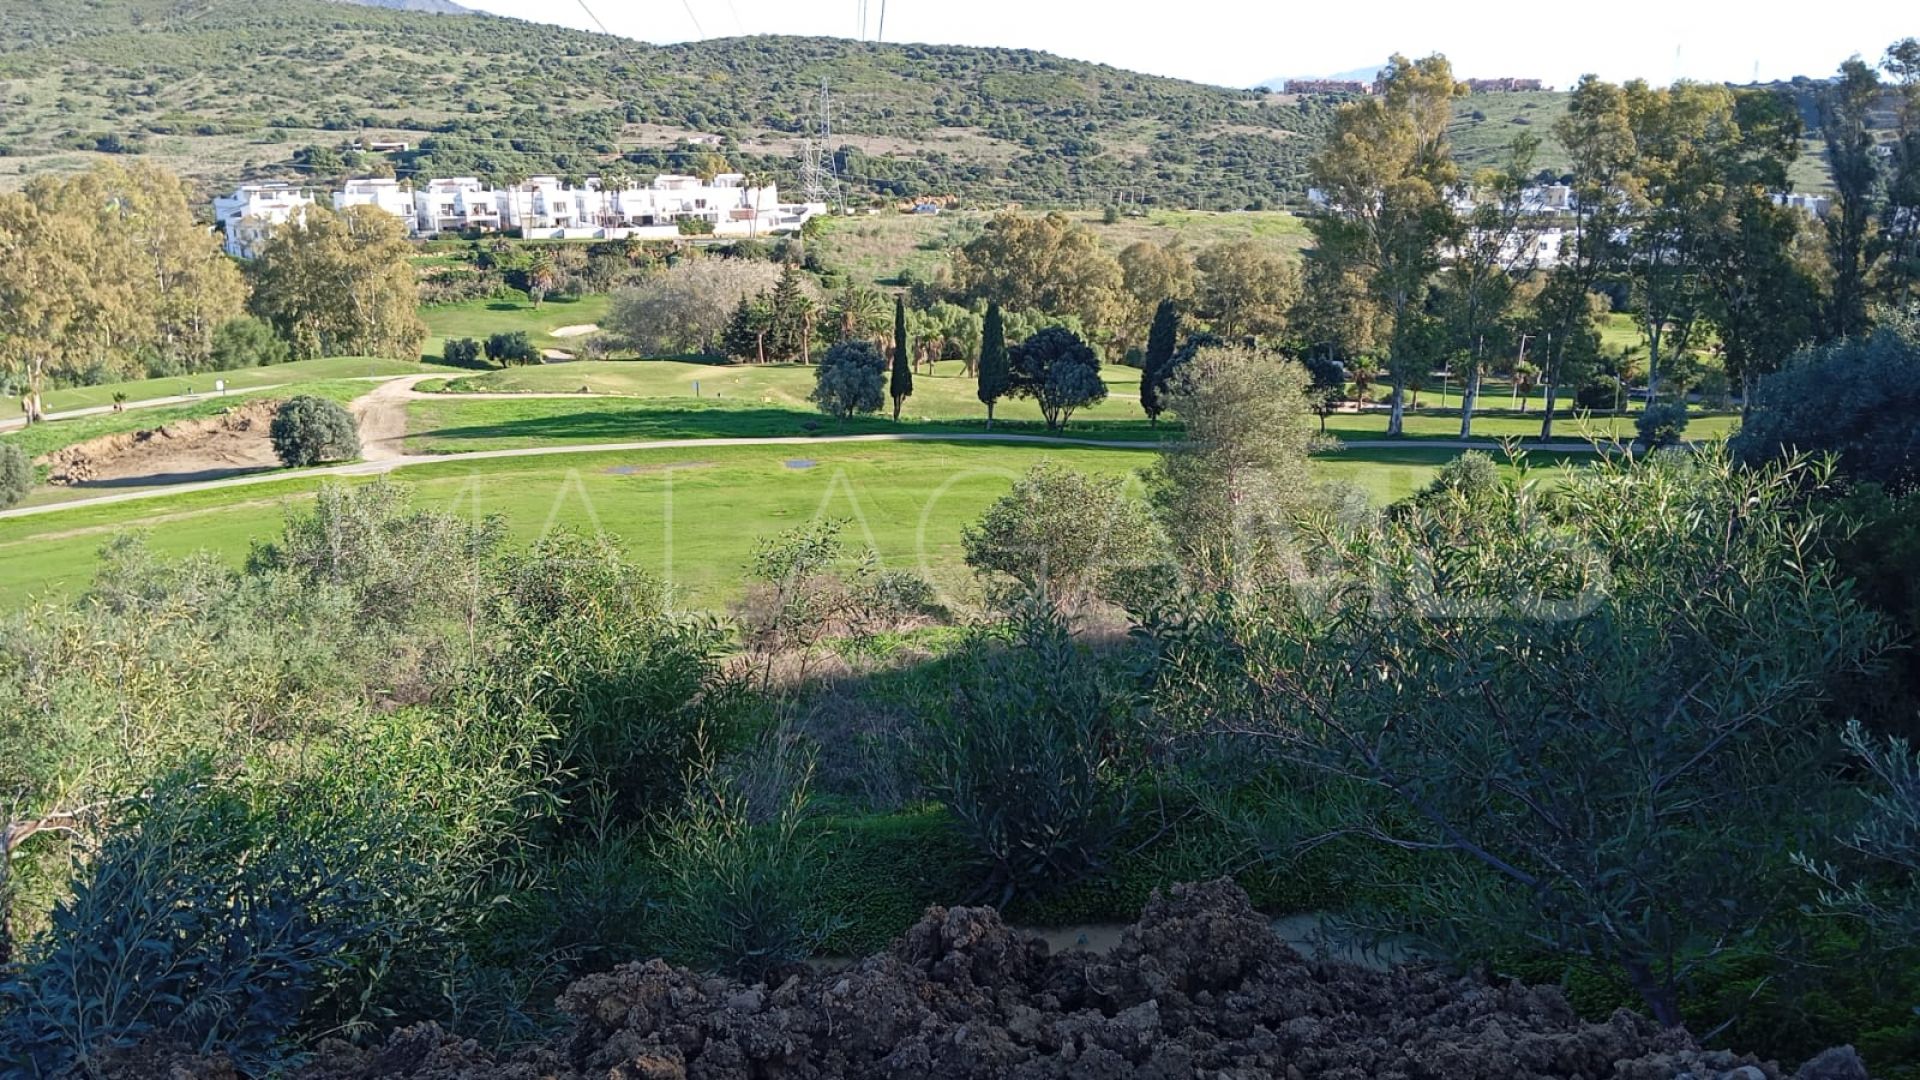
point(455, 205)
point(385, 194)
point(249, 215)
point(1816, 205)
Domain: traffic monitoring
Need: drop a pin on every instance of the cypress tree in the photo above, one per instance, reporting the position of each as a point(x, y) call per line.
point(995, 368)
point(1157, 366)
point(902, 385)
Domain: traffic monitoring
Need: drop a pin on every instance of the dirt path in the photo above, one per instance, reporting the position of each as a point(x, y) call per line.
point(383, 417)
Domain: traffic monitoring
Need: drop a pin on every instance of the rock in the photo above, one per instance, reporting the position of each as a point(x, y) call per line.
point(1836, 1063)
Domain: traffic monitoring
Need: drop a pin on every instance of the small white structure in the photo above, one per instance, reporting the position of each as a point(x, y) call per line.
point(388, 195)
point(1816, 205)
point(249, 215)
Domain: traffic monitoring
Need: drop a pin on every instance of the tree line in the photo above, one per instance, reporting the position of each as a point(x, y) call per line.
point(105, 276)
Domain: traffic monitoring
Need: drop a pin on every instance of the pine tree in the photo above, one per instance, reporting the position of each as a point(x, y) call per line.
point(902, 385)
point(995, 368)
point(1157, 367)
point(790, 318)
point(746, 335)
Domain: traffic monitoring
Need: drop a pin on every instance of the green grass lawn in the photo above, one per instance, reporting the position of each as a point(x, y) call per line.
point(300, 371)
point(478, 319)
point(57, 434)
point(693, 515)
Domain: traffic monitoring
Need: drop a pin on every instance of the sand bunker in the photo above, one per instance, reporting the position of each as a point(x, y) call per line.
point(235, 441)
point(581, 330)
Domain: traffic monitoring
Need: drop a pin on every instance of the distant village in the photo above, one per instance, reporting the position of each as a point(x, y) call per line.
point(541, 207)
point(1355, 86)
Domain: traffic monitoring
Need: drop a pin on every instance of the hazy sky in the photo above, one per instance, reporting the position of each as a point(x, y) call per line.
point(1242, 42)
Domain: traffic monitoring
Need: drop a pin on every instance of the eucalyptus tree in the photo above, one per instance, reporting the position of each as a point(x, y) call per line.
point(1384, 172)
point(1497, 247)
point(1846, 105)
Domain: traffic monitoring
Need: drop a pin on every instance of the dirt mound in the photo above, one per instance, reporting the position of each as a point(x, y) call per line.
point(235, 441)
point(1200, 987)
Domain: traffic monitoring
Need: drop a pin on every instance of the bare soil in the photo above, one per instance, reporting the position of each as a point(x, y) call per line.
point(233, 442)
point(1200, 987)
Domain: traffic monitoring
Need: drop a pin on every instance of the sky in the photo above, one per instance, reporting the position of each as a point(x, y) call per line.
point(1243, 42)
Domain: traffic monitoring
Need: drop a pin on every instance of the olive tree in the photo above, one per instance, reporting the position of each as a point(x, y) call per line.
point(309, 429)
point(1065, 534)
point(1059, 372)
point(851, 379)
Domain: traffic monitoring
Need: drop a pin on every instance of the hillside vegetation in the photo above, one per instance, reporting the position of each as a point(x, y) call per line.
point(222, 89)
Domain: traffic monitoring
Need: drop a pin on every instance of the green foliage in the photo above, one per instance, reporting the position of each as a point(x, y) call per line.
point(900, 385)
point(995, 373)
point(461, 352)
point(1157, 366)
point(1027, 763)
point(1661, 424)
point(1655, 622)
point(740, 892)
point(851, 378)
point(307, 430)
point(1855, 399)
point(342, 284)
point(246, 342)
point(1061, 533)
point(1059, 371)
point(505, 348)
point(16, 475)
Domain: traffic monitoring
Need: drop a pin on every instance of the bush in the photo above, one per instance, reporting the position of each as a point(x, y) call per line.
point(851, 379)
point(1597, 395)
point(247, 342)
point(1855, 399)
point(310, 429)
point(1059, 371)
point(461, 352)
point(16, 474)
point(511, 348)
point(1063, 533)
point(1661, 424)
point(1026, 763)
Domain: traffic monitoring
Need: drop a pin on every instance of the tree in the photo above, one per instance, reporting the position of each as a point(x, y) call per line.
point(1335, 315)
point(1061, 534)
point(1049, 262)
point(542, 276)
point(1661, 424)
point(16, 474)
point(1385, 170)
point(1899, 240)
point(1598, 134)
point(308, 429)
point(1853, 398)
point(1150, 275)
point(1059, 371)
point(857, 312)
point(1326, 388)
point(511, 347)
point(1157, 366)
point(900, 387)
point(686, 308)
point(1764, 304)
point(851, 379)
point(461, 352)
point(790, 317)
point(246, 342)
point(995, 377)
point(1479, 286)
point(1226, 491)
point(1845, 106)
point(745, 337)
point(1246, 289)
point(341, 284)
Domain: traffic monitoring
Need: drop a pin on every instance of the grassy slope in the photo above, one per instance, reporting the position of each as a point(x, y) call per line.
point(722, 500)
point(54, 435)
point(479, 318)
point(300, 371)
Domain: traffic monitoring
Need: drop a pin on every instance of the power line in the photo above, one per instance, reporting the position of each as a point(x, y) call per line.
point(697, 28)
point(737, 23)
point(595, 18)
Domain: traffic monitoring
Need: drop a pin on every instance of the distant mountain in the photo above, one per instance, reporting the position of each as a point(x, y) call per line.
point(437, 7)
point(1364, 74)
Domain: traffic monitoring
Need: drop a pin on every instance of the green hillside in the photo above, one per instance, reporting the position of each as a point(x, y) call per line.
point(221, 89)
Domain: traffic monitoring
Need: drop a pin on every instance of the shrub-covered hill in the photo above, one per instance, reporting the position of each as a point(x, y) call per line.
point(218, 89)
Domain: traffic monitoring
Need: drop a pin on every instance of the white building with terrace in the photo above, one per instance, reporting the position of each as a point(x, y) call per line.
point(249, 215)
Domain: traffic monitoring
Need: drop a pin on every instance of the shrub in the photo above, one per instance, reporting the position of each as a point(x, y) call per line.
point(1026, 763)
point(247, 342)
point(513, 347)
point(461, 352)
point(1059, 371)
point(851, 379)
point(741, 895)
point(1661, 424)
point(16, 474)
point(310, 429)
point(1856, 399)
point(1597, 395)
point(1063, 533)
